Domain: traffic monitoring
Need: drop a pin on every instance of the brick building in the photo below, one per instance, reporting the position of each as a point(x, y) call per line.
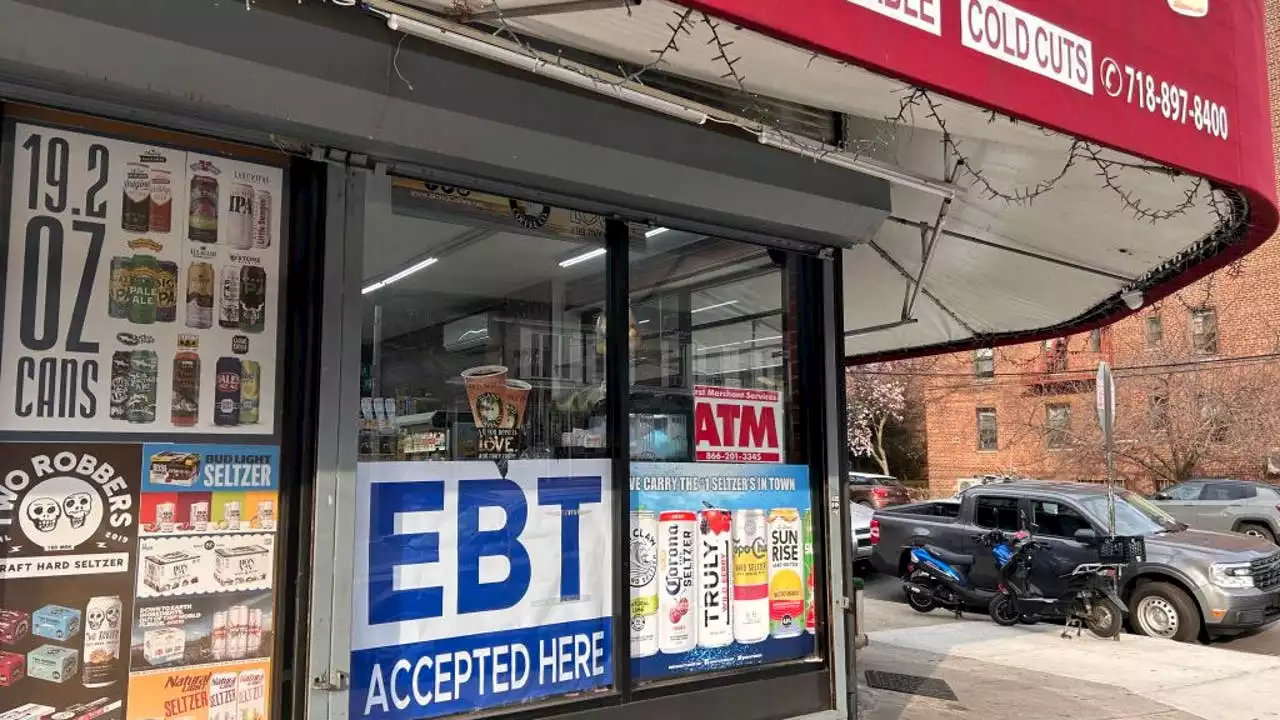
point(1206, 362)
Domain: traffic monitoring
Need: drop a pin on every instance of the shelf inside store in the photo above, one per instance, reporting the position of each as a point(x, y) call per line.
point(415, 419)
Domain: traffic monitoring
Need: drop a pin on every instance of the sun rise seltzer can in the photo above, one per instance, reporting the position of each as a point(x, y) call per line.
point(750, 605)
point(644, 583)
point(786, 586)
point(677, 605)
point(715, 567)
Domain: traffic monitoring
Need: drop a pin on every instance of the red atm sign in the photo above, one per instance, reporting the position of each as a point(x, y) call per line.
point(737, 425)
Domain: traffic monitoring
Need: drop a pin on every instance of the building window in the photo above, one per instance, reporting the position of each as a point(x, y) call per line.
point(1095, 340)
point(987, 438)
point(1158, 411)
point(1057, 419)
point(1204, 331)
point(984, 363)
point(1154, 331)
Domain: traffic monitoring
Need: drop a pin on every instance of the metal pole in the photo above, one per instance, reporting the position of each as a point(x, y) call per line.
point(1108, 437)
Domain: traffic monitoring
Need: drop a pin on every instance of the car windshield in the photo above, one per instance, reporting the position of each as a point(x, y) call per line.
point(1135, 515)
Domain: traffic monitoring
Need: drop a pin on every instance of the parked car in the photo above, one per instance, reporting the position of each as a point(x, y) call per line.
point(1224, 506)
point(876, 491)
point(1192, 583)
point(860, 524)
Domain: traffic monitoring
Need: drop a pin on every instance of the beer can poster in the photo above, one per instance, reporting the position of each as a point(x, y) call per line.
point(721, 567)
point(68, 519)
point(142, 288)
point(476, 588)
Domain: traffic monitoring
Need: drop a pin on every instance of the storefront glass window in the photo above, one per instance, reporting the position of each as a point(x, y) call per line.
point(484, 523)
point(721, 524)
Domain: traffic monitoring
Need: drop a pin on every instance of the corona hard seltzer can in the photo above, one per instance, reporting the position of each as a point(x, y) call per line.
point(644, 583)
point(677, 594)
point(715, 553)
point(750, 606)
point(786, 568)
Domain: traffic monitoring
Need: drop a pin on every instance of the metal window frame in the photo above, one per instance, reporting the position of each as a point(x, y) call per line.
point(332, 561)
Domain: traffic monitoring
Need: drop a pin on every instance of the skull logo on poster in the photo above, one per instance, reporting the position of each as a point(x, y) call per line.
point(60, 513)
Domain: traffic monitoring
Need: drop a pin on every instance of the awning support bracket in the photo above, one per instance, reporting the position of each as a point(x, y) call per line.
point(929, 235)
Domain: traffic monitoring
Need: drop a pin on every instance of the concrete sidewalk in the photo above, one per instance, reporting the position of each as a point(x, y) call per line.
point(1030, 672)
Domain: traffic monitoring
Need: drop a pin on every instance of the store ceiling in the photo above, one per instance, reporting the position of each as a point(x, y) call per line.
point(1076, 247)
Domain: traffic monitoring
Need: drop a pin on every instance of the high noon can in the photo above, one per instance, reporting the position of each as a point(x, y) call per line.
point(102, 641)
point(644, 584)
point(786, 569)
point(715, 553)
point(677, 605)
point(806, 521)
point(750, 605)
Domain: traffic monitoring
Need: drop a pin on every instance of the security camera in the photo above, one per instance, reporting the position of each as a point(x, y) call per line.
point(1132, 299)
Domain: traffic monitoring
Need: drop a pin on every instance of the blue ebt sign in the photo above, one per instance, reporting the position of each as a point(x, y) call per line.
point(474, 590)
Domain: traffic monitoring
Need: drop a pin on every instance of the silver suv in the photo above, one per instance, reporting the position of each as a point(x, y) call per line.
point(1224, 506)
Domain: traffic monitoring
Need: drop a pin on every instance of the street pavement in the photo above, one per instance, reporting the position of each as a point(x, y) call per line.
point(1031, 673)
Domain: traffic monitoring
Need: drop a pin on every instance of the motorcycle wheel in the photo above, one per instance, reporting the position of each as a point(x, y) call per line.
point(1003, 611)
point(920, 602)
point(1106, 620)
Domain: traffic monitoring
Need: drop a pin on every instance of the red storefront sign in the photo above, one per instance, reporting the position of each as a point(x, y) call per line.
point(737, 425)
point(1182, 82)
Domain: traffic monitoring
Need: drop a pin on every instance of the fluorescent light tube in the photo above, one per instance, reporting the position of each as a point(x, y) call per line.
point(399, 276)
point(583, 257)
point(596, 82)
point(726, 303)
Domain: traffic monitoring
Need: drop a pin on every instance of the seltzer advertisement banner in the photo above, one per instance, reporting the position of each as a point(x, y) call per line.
point(202, 637)
point(738, 425)
point(722, 567)
point(476, 588)
point(142, 288)
point(68, 540)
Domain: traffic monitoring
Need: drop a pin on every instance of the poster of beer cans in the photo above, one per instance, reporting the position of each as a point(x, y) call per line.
point(208, 489)
point(183, 632)
point(67, 548)
point(142, 288)
point(721, 567)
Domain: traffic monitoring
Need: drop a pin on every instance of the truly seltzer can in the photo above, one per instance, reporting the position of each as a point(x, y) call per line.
point(677, 604)
point(750, 605)
point(644, 584)
point(715, 568)
point(786, 571)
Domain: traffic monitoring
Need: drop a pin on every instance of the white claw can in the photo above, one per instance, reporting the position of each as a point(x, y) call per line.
point(644, 584)
point(715, 566)
point(677, 591)
point(750, 577)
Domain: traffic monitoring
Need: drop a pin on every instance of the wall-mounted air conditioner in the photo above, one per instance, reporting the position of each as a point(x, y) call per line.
point(467, 334)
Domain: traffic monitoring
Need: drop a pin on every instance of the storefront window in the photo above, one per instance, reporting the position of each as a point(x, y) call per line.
point(484, 558)
point(721, 526)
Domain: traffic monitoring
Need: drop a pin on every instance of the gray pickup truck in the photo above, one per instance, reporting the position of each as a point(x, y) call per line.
point(1193, 584)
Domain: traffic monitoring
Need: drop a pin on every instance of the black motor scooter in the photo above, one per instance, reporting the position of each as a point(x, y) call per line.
point(1088, 600)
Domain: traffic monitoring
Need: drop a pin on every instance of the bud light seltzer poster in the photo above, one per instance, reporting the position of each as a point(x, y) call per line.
point(476, 588)
point(722, 567)
point(202, 640)
point(142, 288)
point(68, 538)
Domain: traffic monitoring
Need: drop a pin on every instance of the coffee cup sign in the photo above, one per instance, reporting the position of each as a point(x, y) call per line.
point(497, 407)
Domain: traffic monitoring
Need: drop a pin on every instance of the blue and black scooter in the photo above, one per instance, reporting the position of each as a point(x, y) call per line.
point(939, 578)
